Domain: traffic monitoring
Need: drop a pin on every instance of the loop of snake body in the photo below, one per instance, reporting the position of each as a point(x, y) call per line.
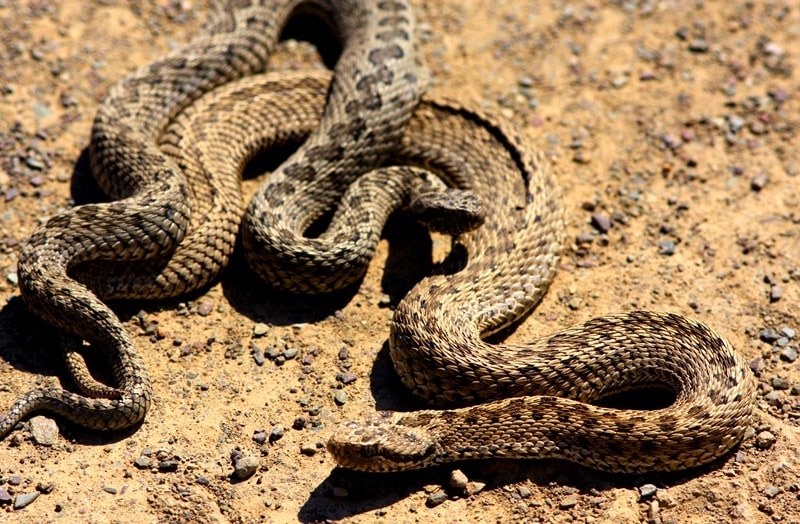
point(494, 276)
point(524, 401)
point(169, 231)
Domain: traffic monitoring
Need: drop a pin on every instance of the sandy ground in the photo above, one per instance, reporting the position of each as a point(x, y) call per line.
point(673, 122)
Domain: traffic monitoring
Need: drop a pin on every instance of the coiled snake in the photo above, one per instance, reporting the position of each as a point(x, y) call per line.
point(493, 277)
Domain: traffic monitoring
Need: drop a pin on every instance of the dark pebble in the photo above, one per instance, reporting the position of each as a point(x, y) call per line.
point(168, 466)
point(260, 436)
point(780, 383)
point(14, 480)
point(698, 45)
point(666, 247)
point(434, 499)
point(5, 498)
point(770, 336)
point(258, 355)
point(110, 489)
point(143, 462)
point(203, 481)
point(601, 222)
point(299, 424)
point(276, 433)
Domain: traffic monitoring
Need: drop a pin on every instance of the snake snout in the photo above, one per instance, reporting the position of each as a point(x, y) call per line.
point(381, 445)
point(451, 212)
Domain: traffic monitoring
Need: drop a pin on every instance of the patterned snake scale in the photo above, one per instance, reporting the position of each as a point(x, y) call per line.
point(145, 243)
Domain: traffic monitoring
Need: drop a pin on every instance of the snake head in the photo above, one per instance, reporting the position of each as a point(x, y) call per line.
point(382, 443)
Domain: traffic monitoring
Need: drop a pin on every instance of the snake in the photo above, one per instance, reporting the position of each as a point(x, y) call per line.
point(538, 400)
point(168, 231)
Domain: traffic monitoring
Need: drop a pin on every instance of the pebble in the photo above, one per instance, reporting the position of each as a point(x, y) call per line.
point(773, 399)
point(666, 247)
point(346, 377)
point(12, 278)
point(434, 499)
point(647, 490)
point(584, 238)
point(759, 181)
point(308, 449)
point(735, 123)
point(5, 497)
point(205, 308)
point(168, 466)
point(769, 336)
point(698, 45)
point(788, 332)
point(771, 491)
point(260, 436)
point(289, 353)
point(258, 355)
point(143, 462)
point(276, 433)
point(474, 487)
point(775, 293)
point(789, 354)
point(765, 440)
point(568, 502)
point(601, 222)
point(245, 467)
point(340, 492)
point(110, 489)
point(757, 365)
point(458, 480)
point(23, 499)
point(260, 329)
point(780, 383)
point(44, 430)
point(340, 398)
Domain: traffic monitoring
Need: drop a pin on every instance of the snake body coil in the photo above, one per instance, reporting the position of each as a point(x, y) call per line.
point(524, 401)
point(170, 232)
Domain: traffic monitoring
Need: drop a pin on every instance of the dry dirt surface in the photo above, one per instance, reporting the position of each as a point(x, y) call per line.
point(672, 126)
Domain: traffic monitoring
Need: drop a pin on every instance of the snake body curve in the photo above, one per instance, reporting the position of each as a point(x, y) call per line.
point(495, 275)
point(524, 401)
point(146, 243)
